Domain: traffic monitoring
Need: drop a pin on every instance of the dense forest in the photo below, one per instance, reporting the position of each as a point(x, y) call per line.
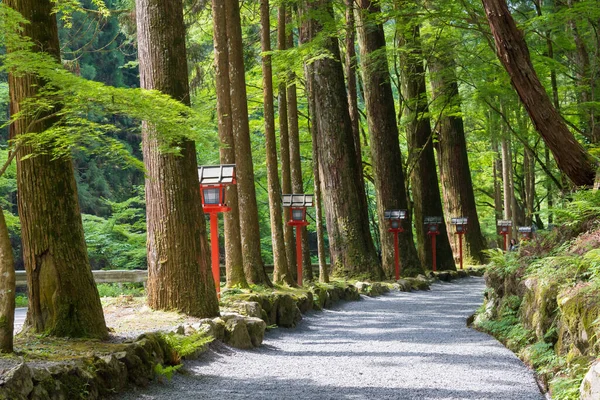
point(452, 108)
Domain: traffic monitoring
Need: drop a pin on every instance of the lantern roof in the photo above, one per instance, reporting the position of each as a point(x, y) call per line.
point(433, 220)
point(223, 174)
point(460, 221)
point(297, 200)
point(394, 214)
point(505, 222)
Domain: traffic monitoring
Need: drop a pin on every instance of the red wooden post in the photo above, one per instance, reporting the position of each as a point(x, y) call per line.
point(433, 252)
point(299, 253)
point(505, 234)
point(214, 244)
point(396, 255)
point(460, 250)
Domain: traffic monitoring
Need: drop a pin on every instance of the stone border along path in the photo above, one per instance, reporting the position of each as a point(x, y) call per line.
point(397, 346)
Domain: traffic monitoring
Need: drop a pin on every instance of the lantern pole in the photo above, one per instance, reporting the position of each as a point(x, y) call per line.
point(396, 255)
point(433, 252)
point(460, 250)
point(299, 253)
point(214, 244)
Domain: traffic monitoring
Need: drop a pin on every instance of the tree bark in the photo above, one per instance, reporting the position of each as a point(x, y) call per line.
point(280, 271)
point(63, 298)
point(296, 165)
point(179, 275)
point(421, 160)
point(390, 186)
point(314, 130)
point(7, 289)
point(351, 246)
point(249, 227)
point(512, 51)
point(234, 262)
point(284, 143)
point(455, 174)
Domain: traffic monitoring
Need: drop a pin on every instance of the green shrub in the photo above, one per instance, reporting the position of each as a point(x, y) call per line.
point(121, 289)
point(187, 345)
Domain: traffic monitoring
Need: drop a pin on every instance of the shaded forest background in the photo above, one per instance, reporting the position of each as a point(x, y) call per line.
point(563, 40)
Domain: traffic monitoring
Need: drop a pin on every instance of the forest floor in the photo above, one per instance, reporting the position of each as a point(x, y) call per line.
point(397, 346)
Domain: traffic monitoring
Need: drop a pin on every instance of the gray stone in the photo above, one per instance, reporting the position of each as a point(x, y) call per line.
point(256, 329)
point(17, 383)
point(288, 313)
point(236, 333)
point(590, 386)
point(248, 308)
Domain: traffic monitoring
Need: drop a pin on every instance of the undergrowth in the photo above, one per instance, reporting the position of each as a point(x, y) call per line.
point(566, 257)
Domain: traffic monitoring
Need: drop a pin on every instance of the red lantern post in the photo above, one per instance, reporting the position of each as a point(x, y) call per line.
point(504, 226)
point(395, 217)
point(433, 229)
point(461, 229)
point(297, 204)
point(213, 182)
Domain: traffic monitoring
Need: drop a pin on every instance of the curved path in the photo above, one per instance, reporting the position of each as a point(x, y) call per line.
point(398, 346)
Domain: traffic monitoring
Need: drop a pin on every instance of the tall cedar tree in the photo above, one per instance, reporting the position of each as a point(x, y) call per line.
point(249, 227)
point(63, 298)
point(323, 270)
point(421, 162)
point(350, 66)
point(455, 174)
point(511, 48)
point(295, 161)
point(385, 146)
point(351, 246)
point(7, 289)
point(284, 142)
point(280, 271)
point(179, 275)
point(234, 262)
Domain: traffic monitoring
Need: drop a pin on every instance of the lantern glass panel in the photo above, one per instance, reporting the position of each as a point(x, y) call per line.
point(433, 228)
point(298, 215)
point(459, 228)
point(211, 196)
point(395, 224)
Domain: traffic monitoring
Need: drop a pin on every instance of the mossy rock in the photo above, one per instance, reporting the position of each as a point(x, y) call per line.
point(538, 308)
point(304, 302)
point(590, 386)
point(579, 309)
point(288, 313)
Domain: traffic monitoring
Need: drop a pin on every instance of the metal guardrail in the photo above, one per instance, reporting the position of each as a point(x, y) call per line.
point(126, 275)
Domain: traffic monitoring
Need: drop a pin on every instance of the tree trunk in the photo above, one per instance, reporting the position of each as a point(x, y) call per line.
point(421, 160)
point(498, 207)
point(351, 246)
point(314, 130)
point(385, 146)
point(179, 276)
point(529, 172)
point(249, 227)
point(7, 289)
point(280, 270)
point(284, 144)
point(512, 51)
point(63, 298)
point(234, 262)
point(585, 83)
point(455, 174)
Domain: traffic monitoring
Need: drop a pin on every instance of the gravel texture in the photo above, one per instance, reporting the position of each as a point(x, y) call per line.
point(397, 346)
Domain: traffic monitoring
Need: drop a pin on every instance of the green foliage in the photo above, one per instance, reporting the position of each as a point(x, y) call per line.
point(121, 289)
point(505, 263)
point(166, 372)
point(583, 208)
point(187, 345)
point(21, 300)
point(118, 242)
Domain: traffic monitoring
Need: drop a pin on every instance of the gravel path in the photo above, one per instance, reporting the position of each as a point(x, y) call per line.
point(398, 346)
